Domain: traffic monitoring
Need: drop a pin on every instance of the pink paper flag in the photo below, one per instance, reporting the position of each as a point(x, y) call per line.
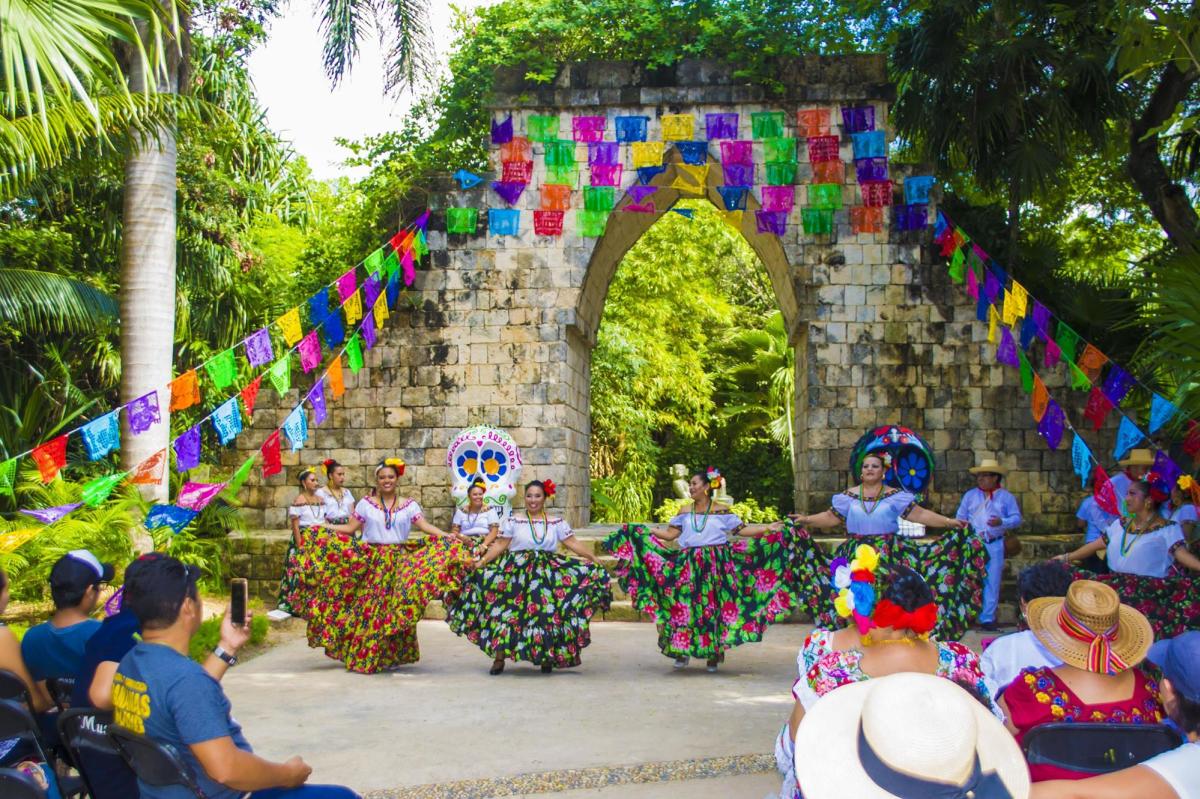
point(406, 264)
point(310, 352)
point(972, 284)
point(347, 284)
point(196, 496)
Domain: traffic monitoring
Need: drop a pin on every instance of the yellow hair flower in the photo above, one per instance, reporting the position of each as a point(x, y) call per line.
point(1185, 482)
point(397, 462)
point(865, 557)
point(844, 603)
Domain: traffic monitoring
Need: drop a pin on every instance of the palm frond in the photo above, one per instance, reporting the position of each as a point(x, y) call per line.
point(342, 24)
point(40, 301)
point(410, 45)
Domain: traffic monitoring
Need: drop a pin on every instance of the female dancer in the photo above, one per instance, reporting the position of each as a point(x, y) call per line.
point(1149, 562)
point(710, 595)
point(953, 567)
point(475, 526)
point(307, 516)
point(524, 601)
point(339, 502)
point(380, 589)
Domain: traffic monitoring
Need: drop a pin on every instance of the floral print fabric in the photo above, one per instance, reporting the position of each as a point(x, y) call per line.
point(1171, 603)
point(709, 599)
point(531, 605)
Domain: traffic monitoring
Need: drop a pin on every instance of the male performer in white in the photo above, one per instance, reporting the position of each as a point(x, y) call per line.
point(992, 511)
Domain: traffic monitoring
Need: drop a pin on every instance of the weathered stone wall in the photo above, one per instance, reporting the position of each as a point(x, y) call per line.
point(501, 328)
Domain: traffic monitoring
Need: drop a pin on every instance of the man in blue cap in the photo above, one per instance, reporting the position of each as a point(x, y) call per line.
point(1171, 775)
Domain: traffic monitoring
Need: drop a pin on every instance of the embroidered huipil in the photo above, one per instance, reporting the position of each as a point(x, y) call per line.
point(978, 506)
point(337, 510)
point(475, 524)
point(309, 515)
point(1150, 554)
point(714, 529)
point(873, 518)
point(542, 534)
point(375, 519)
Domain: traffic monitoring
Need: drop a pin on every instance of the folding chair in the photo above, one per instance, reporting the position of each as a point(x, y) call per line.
point(13, 687)
point(61, 689)
point(1097, 748)
point(155, 763)
point(17, 722)
point(18, 785)
point(84, 733)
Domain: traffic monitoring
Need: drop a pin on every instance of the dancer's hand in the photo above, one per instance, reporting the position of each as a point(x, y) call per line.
point(958, 524)
point(776, 527)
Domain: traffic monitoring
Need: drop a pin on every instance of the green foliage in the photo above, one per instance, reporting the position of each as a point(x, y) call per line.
point(209, 635)
point(748, 510)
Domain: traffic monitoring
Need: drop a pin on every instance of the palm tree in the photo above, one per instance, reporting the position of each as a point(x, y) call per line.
point(764, 382)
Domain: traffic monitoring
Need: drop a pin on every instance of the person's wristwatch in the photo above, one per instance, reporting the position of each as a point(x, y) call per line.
point(229, 658)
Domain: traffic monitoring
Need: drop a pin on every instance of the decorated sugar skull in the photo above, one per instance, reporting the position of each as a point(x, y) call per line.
point(485, 455)
point(908, 460)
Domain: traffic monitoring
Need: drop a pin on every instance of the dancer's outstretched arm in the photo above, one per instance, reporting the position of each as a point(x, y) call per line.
point(930, 519)
point(669, 534)
point(1090, 548)
point(823, 520)
point(349, 528)
point(1187, 559)
point(496, 550)
point(429, 529)
point(575, 545)
point(759, 530)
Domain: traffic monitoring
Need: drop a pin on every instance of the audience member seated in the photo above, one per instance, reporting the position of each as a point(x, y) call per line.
point(159, 692)
point(906, 735)
point(1009, 655)
point(55, 648)
point(1100, 642)
point(13, 750)
point(1174, 774)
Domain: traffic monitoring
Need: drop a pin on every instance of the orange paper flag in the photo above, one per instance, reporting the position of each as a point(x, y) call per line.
point(336, 384)
point(150, 471)
point(1091, 362)
point(50, 457)
point(1041, 398)
point(185, 391)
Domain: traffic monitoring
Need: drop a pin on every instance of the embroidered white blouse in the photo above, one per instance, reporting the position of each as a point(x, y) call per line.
point(309, 515)
point(386, 527)
point(475, 524)
point(1150, 554)
point(714, 528)
point(544, 534)
point(336, 510)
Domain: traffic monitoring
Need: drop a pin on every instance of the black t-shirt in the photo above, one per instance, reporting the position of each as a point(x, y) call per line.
point(109, 776)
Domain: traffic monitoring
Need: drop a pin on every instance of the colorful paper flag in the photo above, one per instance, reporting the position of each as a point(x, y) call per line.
point(1079, 381)
point(823, 195)
point(1097, 408)
point(227, 420)
point(239, 477)
point(1026, 371)
point(690, 179)
point(591, 223)
point(295, 426)
point(604, 153)
point(972, 284)
point(509, 191)
point(95, 491)
point(354, 356)
point(102, 435)
point(222, 369)
point(631, 129)
point(368, 331)
point(271, 463)
point(353, 307)
point(185, 391)
point(1161, 412)
point(1105, 494)
point(993, 324)
point(1006, 353)
point(1081, 459)
point(869, 144)
point(337, 385)
point(1117, 384)
point(824, 148)
point(310, 352)
point(8, 477)
point(647, 153)
point(780, 150)
point(766, 124)
point(1091, 361)
point(143, 413)
point(187, 450)
point(678, 127)
point(462, 220)
point(1167, 469)
point(1128, 436)
point(406, 265)
point(866, 220)
point(289, 325)
point(721, 126)
point(50, 457)
point(856, 119)
point(197, 496)
point(258, 348)
point(347, 284)
point(51, 515)
point(693, 152)
point(380, 311)
point(1040, 398)
point(1052, 355)
point(316, 398)
point(812, 122)
point(466, 180)
point(778, 198)
point(249, 395)
point(516, 149)
point(502, 132)
point(334, 330)
point(280, 374)
point(150, 471)
point(172, 516)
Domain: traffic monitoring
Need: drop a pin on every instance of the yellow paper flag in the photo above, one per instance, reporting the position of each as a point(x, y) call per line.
point(336, 384)
point(993, 317)
point(12, 539)
point(734, 218)
point(289, 324)
point(1010, 309)
point(1020, 298)
point(691, 178)
point(678, 127)
point(647, 153)
point(353, 308)
point(380, 310)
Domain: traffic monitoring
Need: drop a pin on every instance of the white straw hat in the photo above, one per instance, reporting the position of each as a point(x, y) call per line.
point(988, 466)
point(909, 736)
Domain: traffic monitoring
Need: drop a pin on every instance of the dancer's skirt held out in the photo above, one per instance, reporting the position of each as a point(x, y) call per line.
point(369, 598)
point(531, 605)
point(707, 600)
point(293, 588)
point(1171, 603)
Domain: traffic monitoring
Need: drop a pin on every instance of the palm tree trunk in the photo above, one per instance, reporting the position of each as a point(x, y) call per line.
point(147, 294)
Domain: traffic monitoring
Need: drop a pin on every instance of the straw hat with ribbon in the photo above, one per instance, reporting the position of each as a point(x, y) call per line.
point(1138, 457)
point(988, 466)
point(906, 735)
point(1090, 629)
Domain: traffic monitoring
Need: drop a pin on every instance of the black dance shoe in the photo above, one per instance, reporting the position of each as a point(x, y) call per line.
point(497, 667)
point(546, 668)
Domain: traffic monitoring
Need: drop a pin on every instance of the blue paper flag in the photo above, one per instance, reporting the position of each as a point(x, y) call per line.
point(693, 152)
point(1081, 459)
point(466, 180)
point(631, 129)
point(981, 307)
point(227, 419)
point(1128, 436)
point(649, 173)
point(688, 212)
point(172, 516)
point(940, 225)
point(334, 330)
point(1161, 412)
point(734, 197)
point(101, 436)
point(318, 307)
point(1001, 274)
point(295, 426)
point(870, 144)
point(1029, 331)
point(504, 221)
point(393, 291)
point(916, 190)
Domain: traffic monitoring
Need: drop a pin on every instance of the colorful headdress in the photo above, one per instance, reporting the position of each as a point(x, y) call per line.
point(854, 582)
point(327, 465)
point(714, 476)
point(921, 620)
point(1190, 488)
point(1160, 489)
point(395, 463)
point(549, 487)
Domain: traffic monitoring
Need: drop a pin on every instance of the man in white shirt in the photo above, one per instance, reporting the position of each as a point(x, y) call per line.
point(992, 512)
point(1007, 656)
point(1171, 775)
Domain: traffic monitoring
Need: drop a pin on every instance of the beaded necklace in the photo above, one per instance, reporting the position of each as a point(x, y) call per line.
point(388, 513)
point(539, 540)
point(703, 521)
point(862, 500)
point(471, 519)
point(1129, 536)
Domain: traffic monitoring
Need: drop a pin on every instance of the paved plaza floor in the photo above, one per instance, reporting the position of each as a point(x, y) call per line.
point(624, 725)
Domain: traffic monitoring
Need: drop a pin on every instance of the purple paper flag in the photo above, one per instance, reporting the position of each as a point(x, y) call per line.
point(1006, 353)
point(1041, 318)
point(143, 413)
point(912, 217)
point(310, 351)
point(1053, 353)
point(721, 126)
point(991, 287)
point(1052, 425)
point(1166, 468)
point(771, 222)
point(604, 153)
point(502, 132)
point(316, 398)
point(606, 175)
point(858, 119)
point(589, 128)
point(871, 169)
point(1117, 384)
point(639, 193)
point(51, 515)
point(347, 284)
point(738, 174)
point(778, 198)
point(258, 348)
point(368, 330)
point(187, 450)
point(406, 264)
point(371, 290)
point(509, 192)
point(196, 496)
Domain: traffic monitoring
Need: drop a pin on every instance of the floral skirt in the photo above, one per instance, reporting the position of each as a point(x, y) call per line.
point(291, 590)
point(1171, 603)
point(953, 566)
point(366, 600)
point(531, 605)
point(706, 600)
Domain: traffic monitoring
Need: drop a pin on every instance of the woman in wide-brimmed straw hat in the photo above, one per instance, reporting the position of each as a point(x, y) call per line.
point(993, 512)
point(906, 735)
point(1100, 642)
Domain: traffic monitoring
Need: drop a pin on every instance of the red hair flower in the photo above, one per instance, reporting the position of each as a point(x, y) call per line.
point(921, 621)
point(549, 487)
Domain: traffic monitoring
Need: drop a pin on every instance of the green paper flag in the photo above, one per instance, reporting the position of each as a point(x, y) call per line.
point(391, 264)
point(780, 150)
point(599, 198)
point(816, 220)
point(1067, 341)
point(767, 124)
point(461, 220)
point(825, 195)
point(8, 476)
point(374, 261)
point(421, 245)
point(354, 353)
point(98, 490)
point(780, 174)
point(222, 370)
point(542, 127)
point(239, 477)
point(560, 153)
point(562, 174)
point(1079, 380)
point(591, 222)
point(974, 260)
point(280, 374)
point(958, 263)
point(1026, 371)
